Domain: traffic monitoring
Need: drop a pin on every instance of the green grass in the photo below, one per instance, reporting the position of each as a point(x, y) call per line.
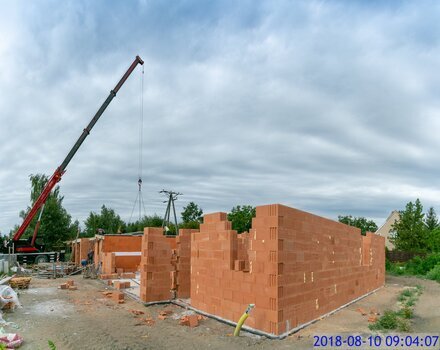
point(52, 345)
point(399, 320)
point(393, 320)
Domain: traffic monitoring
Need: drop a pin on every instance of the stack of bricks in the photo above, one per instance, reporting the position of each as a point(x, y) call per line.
point(294, 266)
point(156, 266)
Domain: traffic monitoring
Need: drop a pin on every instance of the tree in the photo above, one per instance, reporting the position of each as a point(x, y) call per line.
point(433, 240)
point(147, 221)
point(410, 232)
point(107, 220)
point(191, 216)
point(359, 222)
point(431, 220)
point(56, 224)
point(241, 217)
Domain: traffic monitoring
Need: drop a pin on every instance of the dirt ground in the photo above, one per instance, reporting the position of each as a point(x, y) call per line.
point(85, 319)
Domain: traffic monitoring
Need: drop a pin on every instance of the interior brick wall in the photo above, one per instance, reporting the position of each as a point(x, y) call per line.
point(108, 263)
point(183, 263)
point(156, 265)
point(85, 245)
point(165, 265)
point(107, 244)
point(121, 243)
point(219, 285)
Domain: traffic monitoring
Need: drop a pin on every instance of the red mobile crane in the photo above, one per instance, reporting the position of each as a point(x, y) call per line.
point(28, 251)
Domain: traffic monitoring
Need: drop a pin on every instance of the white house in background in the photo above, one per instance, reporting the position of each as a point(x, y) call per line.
point(386, 230)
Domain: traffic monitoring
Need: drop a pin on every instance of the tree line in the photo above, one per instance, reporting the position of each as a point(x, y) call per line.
point(414, 231)
point(57, 226)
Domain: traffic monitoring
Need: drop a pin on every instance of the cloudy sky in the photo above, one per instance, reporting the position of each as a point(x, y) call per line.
point(328, 106)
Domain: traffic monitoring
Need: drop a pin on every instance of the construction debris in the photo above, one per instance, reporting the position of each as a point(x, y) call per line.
point(136, 312)
point(189, 320)
point(372, 318)
point(148, 321)
point(361, 311)
point(10, 340)
point(54, 270)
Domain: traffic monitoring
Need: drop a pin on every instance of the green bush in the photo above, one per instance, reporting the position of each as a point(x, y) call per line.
point(434, 273)
point(393, 320)
point(394, 268)
point(416, 266)
point(387, 321)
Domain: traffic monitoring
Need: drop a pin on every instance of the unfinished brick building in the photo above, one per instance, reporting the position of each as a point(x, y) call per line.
point(294, 266)
point(118, 252)
point(114, 252)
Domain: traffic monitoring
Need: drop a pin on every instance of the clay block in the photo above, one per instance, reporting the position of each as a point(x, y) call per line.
point(70, 282)
point(193, 320)
point(214, 217)
point(117, 296)
point(64, 286)
point(128, 275)
point(73, 287)
point(118, 284)
point(184, 321)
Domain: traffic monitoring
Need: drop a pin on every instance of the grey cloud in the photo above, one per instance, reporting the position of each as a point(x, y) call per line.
point(330, 107)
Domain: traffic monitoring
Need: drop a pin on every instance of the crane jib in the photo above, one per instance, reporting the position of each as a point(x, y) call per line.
point(56, 177)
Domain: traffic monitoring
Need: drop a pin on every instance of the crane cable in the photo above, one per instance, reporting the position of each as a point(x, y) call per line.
point(139, 197)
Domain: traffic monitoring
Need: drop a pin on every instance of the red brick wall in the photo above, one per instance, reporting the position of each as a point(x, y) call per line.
point(115, 244)
point(108, 263)
point(165, 265)
point(85, 245)
point(156, 265)
point(183, 263)
point(322, 264)
point(121, 243)
point(220, 289)
point(298, 266)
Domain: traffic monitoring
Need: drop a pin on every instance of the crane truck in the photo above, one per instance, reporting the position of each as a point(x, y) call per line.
point(27, 250)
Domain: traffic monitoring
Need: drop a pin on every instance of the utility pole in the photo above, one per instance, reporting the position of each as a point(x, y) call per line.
point(172, 196)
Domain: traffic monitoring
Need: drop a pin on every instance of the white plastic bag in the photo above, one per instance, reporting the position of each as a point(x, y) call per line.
point(8, 298)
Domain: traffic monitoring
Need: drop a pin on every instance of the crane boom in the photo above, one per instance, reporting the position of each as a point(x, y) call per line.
point(58, 173)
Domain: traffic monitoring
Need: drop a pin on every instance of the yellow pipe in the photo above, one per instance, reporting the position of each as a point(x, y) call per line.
point(242, 319)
